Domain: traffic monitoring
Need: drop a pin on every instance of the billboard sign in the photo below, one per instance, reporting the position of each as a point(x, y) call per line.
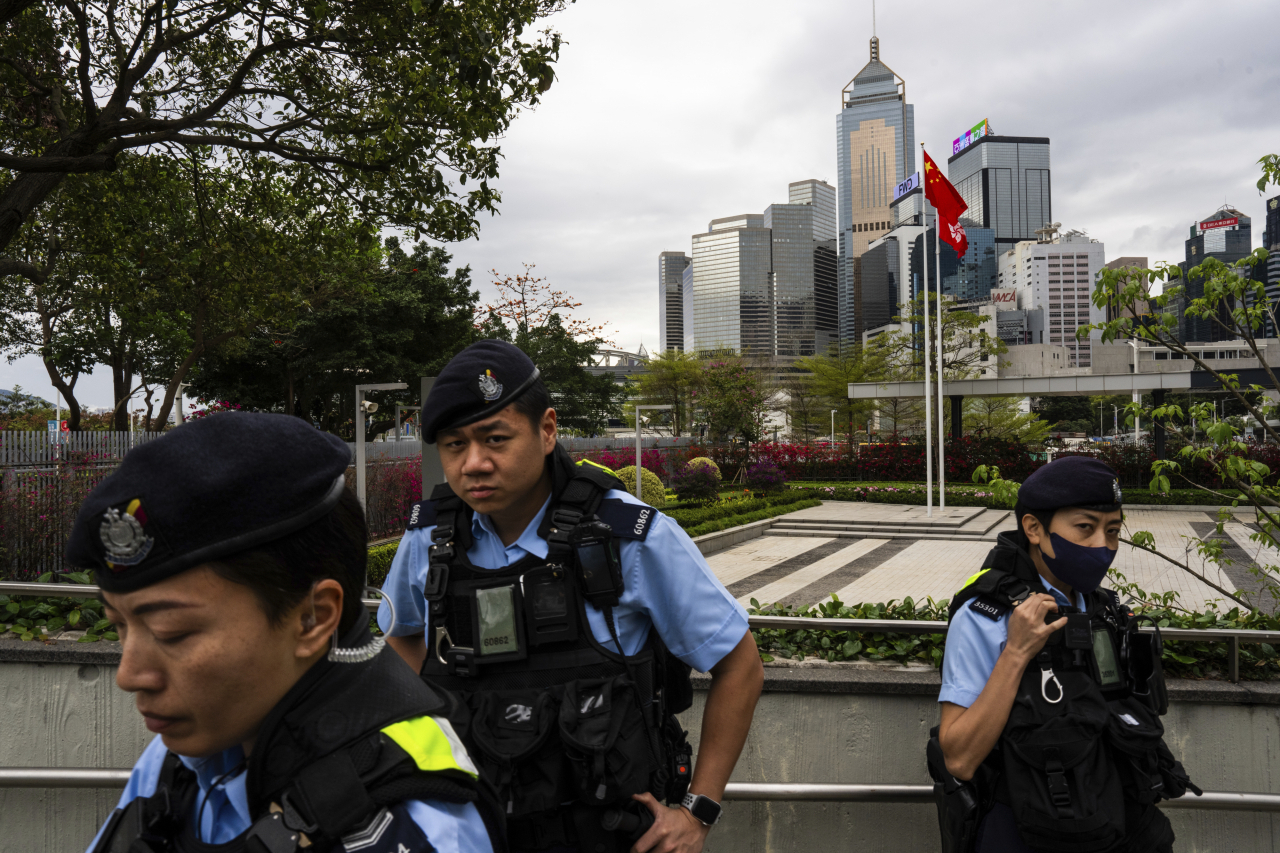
point(907, 186)
point(970, 136)
point(1004, 298)
point(1219, 223)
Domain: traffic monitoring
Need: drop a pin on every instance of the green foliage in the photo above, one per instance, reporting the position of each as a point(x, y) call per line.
point(832, 374)
point(403, 317)
point(32, 618)
point(1002, 417)
point(749, 517)
point(394, 105)
point(696, 483)
point(732, 507)
point(836, 646)
point(380, 559)
point(1005, 491)
point(733, 399)
point(652, 491)
point(704, 462)
point(670, 378)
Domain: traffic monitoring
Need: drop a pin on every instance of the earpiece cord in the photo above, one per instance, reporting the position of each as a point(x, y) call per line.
point(239, 768)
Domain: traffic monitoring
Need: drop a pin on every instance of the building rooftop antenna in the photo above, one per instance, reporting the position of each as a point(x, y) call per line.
point(873, 18)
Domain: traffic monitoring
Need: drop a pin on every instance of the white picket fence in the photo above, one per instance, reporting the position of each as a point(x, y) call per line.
point(20, 449)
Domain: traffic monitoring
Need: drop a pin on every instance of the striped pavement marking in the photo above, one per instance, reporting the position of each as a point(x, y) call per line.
point(786, 567)
point(756, 555)
point(929, 567)
point(782, 588)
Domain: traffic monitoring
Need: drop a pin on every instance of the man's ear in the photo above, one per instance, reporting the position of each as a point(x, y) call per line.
point(547, 431)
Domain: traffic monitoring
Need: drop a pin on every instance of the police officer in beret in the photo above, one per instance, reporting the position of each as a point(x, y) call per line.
point(1050, 735)
point(566, 615)
point(232, 559)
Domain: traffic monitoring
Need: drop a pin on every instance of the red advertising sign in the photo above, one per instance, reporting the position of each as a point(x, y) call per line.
point(1219, 223)
point(1004, 297)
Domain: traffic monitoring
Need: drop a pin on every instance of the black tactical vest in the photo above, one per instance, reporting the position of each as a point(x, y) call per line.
point(334, 759)
point(565, 727)
point(1082, 760)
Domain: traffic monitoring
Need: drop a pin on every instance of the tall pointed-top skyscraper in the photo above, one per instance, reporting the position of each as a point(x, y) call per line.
point(875, 151)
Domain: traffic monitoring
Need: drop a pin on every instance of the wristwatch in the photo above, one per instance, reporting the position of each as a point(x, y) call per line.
point(705, 809)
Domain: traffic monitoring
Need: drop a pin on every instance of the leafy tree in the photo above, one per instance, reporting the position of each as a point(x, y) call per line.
point(734, 399)
point(536, 318)
point(405, 320)
point(832, 374)
point(384, 104)
point(804, 405)
point(1002, 417)
point(670, 378)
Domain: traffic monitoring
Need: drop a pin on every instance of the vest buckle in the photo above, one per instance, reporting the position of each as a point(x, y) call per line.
point(437, 580)
point(269, 835)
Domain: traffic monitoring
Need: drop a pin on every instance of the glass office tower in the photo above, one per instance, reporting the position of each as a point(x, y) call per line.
point(1225, 235)
point(875, 151)
point(671, 267)
point(733, 287)
point(1005, 182)
point(803, 265)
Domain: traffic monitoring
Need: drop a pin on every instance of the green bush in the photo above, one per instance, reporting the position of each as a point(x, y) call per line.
point(704, 462)
point(696, 484)
point(380, 562)
point(652, 491)
point(693, 516)
point(747, 518)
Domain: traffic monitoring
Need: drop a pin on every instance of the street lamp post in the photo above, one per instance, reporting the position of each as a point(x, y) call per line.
point(639, 467)
point(360, 409)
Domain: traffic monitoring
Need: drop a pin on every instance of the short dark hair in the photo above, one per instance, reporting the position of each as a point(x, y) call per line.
point(281, 573)
point(533, 403)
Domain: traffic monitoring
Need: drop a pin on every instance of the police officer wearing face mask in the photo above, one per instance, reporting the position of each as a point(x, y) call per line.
point(1050, 736)
point(566, 615)
point(232, 558)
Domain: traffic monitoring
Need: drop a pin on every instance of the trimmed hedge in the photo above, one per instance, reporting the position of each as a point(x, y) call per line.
point(380, 562)
point(694, 516)
point(747, 518)
point(968, 495)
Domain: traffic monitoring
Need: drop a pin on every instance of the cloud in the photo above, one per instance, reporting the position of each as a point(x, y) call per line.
point(665, 115)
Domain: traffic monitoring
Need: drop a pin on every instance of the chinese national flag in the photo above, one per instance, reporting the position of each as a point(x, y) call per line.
point(949, 205)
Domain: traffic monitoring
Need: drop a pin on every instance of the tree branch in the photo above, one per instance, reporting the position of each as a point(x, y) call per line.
point(1189, 571)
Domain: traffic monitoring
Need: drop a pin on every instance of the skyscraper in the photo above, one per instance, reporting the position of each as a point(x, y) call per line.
point(1225, 235)
point(875, 150)
point(1268, 272)
point(671, 267)
point(766, 284)
point(1058, 277)
point(1005, 182)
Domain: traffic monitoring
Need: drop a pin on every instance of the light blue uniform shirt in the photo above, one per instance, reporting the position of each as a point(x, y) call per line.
point(974, 643)
point(667, 585)
point(223, 803)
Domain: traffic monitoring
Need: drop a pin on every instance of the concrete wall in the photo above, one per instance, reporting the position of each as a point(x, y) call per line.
point(839, 724)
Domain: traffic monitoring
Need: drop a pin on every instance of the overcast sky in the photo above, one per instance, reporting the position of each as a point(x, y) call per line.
point(665, 115)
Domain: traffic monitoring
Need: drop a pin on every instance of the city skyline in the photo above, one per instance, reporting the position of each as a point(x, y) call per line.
point(1115, 88)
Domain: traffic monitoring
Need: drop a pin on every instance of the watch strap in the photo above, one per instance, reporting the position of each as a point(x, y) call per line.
point(704, 809)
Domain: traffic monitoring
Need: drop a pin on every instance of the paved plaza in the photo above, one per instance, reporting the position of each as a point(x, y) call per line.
point(867, 553)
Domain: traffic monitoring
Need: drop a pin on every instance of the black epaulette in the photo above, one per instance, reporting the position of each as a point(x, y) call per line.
point(628, 520)
point(422, 514)
point(989, 607)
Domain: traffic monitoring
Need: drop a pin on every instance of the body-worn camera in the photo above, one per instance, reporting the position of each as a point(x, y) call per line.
point(598, 565)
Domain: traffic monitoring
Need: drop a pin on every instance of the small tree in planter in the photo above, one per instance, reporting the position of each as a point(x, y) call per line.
point(697, 483)
point(764, 476)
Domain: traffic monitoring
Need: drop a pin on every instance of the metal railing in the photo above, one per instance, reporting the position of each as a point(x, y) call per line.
point(83, 777)
point(1232, 636)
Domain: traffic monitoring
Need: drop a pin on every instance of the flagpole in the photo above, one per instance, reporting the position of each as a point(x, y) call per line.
point(928, 390)
point(942, 435)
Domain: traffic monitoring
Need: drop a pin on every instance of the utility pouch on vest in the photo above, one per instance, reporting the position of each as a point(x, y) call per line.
point(604, 737)
point(551, 605)
point(516, 752)
point(958, 803)
point(1146, 673)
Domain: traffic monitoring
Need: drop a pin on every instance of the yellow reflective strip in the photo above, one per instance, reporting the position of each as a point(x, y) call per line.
point(971, 579)
point(433, 744)
point(595, 465)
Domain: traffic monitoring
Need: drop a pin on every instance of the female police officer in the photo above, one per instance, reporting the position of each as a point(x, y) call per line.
point(232, 559)
point(1050, 698)
point(561, 608)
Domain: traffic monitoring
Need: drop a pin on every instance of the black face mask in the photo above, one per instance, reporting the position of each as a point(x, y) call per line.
point(1078, 565)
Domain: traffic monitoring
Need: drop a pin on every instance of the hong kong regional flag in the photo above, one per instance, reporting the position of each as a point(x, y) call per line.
point(949, 205)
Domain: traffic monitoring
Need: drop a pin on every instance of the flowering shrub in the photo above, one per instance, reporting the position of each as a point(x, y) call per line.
point(764, 476)
point(213, 407)
point(651, 490)
point(697, 483)
point(37, 509)
point(657, 461)
point(391, 490)
point(704, 462)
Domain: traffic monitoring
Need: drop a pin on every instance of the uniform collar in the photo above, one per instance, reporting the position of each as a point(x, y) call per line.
point(209, 771)
point(1059, 595)
point(529, 542)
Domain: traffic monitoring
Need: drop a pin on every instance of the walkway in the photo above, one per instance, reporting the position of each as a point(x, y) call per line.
point(865, 552)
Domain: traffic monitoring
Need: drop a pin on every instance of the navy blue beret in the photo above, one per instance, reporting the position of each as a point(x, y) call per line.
point(209, 489)
point(1072, 481)
point(478, 382)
